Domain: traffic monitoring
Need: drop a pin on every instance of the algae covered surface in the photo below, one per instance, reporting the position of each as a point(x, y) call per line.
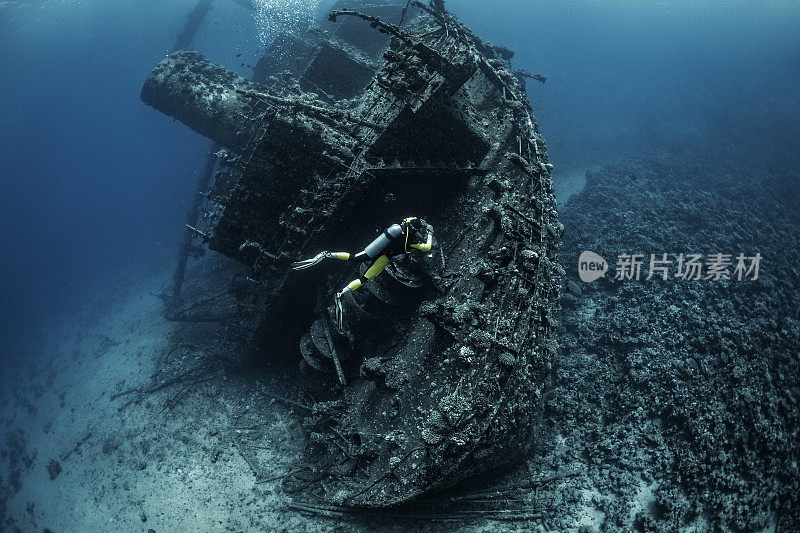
point(683, 391)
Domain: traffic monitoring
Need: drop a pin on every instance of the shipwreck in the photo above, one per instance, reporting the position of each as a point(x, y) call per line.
point(385, 110)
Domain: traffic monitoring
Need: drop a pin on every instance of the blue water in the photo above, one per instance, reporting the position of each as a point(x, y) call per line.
point(94, 184)
point(632, 75)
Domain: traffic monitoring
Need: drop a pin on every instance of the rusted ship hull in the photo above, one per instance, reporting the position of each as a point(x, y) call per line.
point(439, 373)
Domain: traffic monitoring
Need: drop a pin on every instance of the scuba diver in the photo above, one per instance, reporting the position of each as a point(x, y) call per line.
point(396, 242)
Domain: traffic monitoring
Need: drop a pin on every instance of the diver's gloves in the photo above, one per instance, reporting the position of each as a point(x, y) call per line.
point(339, 312)
point(308, 263)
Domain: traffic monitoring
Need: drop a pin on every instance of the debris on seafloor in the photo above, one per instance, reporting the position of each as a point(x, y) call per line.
point(395, 109)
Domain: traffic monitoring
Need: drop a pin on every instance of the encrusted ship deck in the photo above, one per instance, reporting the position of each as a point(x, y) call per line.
point(394, 110)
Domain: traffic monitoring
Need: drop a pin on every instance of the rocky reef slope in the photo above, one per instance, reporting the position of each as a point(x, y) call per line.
point(679, 399)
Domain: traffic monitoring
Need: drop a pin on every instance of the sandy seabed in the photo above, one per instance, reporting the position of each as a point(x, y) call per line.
point(80, 455)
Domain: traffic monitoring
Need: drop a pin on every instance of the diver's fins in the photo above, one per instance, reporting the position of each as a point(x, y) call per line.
point(339, 312)
point(308, 263)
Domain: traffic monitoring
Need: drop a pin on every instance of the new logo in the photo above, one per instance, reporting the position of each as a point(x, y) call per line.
point(591, 266)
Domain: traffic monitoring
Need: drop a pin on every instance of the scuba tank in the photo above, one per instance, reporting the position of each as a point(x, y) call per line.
point(377, 246)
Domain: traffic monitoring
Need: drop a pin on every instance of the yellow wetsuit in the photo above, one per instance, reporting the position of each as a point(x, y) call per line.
point(394, 243)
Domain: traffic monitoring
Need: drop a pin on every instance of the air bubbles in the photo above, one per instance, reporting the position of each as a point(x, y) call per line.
point(275, 16)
